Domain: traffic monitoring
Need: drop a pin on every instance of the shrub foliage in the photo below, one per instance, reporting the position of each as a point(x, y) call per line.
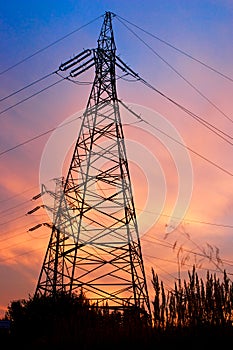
point(194, 310)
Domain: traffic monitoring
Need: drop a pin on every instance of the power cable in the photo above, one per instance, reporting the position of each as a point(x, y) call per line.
point(202, 254)
point(9, 221)
point(178, 50)
point(188, 220)
point(147, 211)
point(179, 74)
point(184, 264)
point(202, 121)
point(148, 257)
point(49, 45)
point(10, 231)
point(27, 86)
point(191, 150)
point(176, 141)
point(5, 212)
point(18, 194)
point(25, 253)
point(35, 94)
point(199, 119)
point(38, 136)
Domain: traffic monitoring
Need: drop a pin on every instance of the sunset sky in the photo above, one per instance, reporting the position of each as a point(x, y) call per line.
point(183, 189)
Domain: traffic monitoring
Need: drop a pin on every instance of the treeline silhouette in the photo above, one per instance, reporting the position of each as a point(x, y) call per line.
point(196, 314)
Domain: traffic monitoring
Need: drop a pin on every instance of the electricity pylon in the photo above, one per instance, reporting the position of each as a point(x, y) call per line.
point(95, 245)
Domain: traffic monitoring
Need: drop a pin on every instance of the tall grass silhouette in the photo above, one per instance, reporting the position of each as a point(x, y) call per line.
point(197, 310)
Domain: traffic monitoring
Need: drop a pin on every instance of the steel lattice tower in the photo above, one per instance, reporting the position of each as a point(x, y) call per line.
point(95, 242)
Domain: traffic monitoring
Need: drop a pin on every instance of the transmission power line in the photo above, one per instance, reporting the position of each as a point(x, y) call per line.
point(161, 131)
point(178, 73)
point(196, 117)
point(39, 136)
point(48, 46)
point(118, 17)
point(8, 211)
point(208, 125)
point(154, 241)
point(162, 215)
point(196, 221)
point(55, 128)
point(33, 95)
point(175, 140)
point(27, 86)
point(225, 76)
point(9, 221)
point(225, 261)
point(18, 194)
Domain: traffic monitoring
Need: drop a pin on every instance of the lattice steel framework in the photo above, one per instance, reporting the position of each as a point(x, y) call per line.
point(95, 242)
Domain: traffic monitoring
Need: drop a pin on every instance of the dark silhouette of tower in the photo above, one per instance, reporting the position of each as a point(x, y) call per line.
point(94, 244)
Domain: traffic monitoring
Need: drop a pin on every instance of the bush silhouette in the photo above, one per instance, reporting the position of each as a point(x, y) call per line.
point(196, 312)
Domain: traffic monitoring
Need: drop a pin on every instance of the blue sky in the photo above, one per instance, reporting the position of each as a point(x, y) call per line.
point(203, 29)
